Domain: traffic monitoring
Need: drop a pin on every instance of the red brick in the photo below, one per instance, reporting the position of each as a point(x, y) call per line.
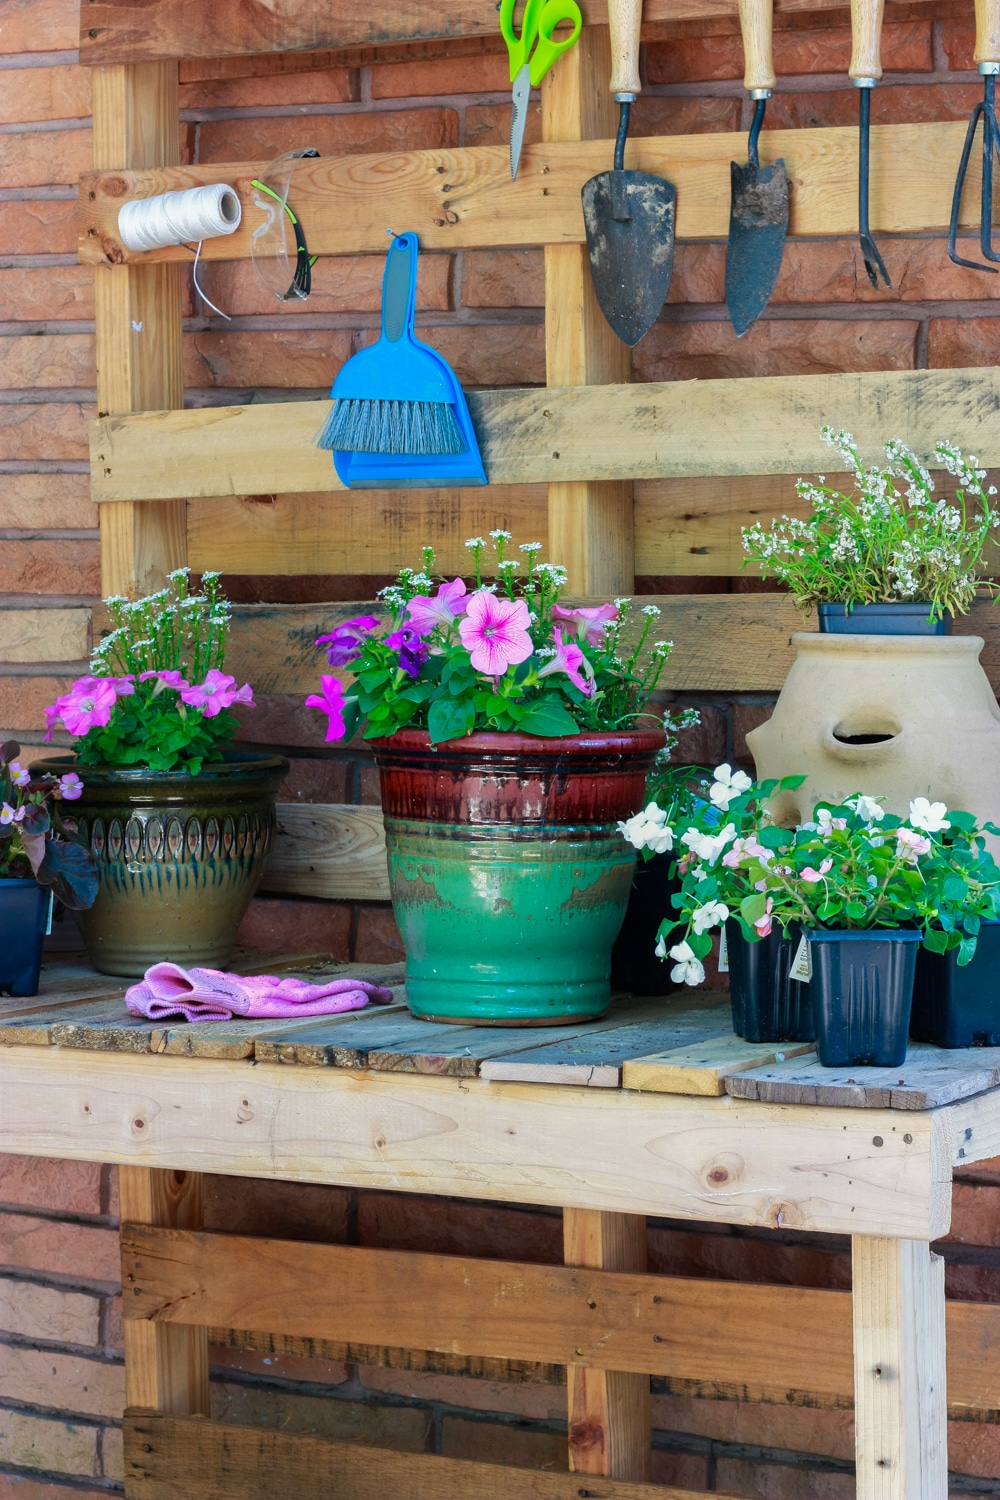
point(503, 278)
point(480, 74)
point(533, 1402)
point(42, 501)
point(974, 1449)
point(371, 786)
point(280, 719)
point(399, 1428)
point(19, 1487)
point(983, 1171)
point(686, 1471)
point(281, 1210)
point(347, 284)
point(279, 925)
point(331, 135)
point(747, 716)
point(112, 1453)
point(49, 566)
point(322, 86)
point(705, 744)
point(799, 1429)
point(972, 1283)
point(315, 781)
point(44, 1312)
point(708, 351)
point(959, 342)
point(975, 1215)
point(446, 1226)
point(683, 116)
point(59, 93)
point(502, 355)
point(45, 431)
point(727, 1258)
point(43, 293)
point(23, 700)
point(377, 939)
point(40, 158)
point(63, 360)
point(115, 1337)
point(39, 226)
point(50, 1245)
point(39, 1443)
point(38, 26)
point(279, 1366)
point(958, 41)
point(493, 1443)
point(897, 104)
point(37, 1377)
point(906, 47)
point(289, 358)
point(756, 1480)
point(489, 125)
point(70, 1187)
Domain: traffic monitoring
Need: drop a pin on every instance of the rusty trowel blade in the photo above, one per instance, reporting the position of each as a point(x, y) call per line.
point(758, 224)
point(629, 218)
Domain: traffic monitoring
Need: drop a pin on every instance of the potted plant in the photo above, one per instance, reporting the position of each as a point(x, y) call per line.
point(512, 732)
point(866, 888)
point(179, 823)
point(891, 558)
point(41, 859)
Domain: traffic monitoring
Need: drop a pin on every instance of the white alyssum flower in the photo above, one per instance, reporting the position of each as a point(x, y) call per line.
point(728, 785)
point(712, 914)
point(708, 846)
point(687, 969)
point(930, 816)
point(867, 808)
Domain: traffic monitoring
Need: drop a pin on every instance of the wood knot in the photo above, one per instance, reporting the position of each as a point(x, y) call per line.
point(588, 1433)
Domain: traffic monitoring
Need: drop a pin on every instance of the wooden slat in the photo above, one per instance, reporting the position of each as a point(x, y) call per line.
point(928, 1079)
point(765, 426)
point(704, 1067)
point(337, 852)
point(463, 197)
point(134, 30)
point(168, 1458)
point(741, 1341)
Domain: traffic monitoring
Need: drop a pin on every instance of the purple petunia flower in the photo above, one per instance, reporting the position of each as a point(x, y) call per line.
point(413, 651)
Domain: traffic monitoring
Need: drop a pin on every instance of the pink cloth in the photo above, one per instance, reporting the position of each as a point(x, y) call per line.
point(211, 995)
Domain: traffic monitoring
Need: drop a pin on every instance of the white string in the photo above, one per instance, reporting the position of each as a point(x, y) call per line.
point(194, 276)
point(200, 213)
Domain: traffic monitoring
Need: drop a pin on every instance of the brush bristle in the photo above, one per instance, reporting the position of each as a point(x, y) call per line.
point(414, 427)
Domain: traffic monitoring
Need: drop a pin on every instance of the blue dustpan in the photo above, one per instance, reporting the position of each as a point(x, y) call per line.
point(401, 394)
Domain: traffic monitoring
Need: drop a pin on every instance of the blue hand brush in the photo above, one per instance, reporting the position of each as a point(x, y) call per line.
point(400, 419)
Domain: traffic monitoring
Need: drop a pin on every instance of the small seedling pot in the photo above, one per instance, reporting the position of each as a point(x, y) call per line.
point(959, 1007)
point(634, 964)
point(861, 991)
point(896, 617)
point(768, 1005)
point(24, 913)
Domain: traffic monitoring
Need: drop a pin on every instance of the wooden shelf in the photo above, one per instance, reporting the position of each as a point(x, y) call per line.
point(464, 198)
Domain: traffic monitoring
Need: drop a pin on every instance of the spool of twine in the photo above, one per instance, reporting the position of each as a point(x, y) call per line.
point(200, 213)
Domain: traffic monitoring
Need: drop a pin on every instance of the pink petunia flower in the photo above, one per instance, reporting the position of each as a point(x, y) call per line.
point(124, 686)
point(426, 613)
point(216, 693)
point(344, 643)
point(495, 632)
point(70, 786)
point(169, 679)
point(331, 701)
point(815, 875)
point(89, 704)
point(571, 660)
point(590, 620)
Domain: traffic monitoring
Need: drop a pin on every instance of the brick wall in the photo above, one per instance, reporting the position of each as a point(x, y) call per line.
point(61, 1381)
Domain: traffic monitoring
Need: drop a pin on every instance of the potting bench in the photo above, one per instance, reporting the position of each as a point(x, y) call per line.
point(655, 479)
point(656, 1110)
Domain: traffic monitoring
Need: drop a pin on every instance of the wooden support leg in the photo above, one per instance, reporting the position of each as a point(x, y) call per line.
point(899, 1370)
point(609, 1412)
point(166, 1364)
point(590, 524)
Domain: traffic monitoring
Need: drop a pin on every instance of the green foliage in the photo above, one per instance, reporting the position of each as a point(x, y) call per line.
point(36, 838)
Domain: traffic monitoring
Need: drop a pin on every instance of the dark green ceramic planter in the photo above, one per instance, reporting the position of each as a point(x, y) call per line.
point(509, 878)
point(178, 856)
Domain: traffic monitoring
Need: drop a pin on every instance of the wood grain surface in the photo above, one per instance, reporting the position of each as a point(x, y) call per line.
point(927, 1079)
point(328, 850)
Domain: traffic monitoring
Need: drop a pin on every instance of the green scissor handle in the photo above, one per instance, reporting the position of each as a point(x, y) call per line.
point(541, 17)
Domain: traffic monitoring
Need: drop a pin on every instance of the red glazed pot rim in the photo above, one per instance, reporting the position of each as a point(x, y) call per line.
point(513, 742)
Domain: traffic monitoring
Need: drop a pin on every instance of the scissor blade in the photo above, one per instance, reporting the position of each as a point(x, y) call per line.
point(519, 116)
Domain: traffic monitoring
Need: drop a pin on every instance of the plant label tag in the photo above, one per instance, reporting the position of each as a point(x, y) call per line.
point(723, 953)
point(802, 964)
point(48, 919)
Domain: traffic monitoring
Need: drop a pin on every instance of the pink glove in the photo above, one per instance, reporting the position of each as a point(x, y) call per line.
point(211, 995)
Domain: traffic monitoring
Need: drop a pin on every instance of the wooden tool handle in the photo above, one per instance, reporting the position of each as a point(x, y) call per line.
point(987, 31)
point(756, 23)
point(625, 19)
point(866, 32)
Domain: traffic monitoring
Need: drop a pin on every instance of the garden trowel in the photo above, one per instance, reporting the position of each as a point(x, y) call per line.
point(629, 216)
point(758, 215)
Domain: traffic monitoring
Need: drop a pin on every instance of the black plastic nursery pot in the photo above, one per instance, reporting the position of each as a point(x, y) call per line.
point(768, 1004)
point(24, 914)
point(896, 617)
point(861, 991)
point(634, 964)
point(955, 1007)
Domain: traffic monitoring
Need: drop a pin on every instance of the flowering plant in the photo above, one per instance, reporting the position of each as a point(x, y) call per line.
point(156, 694)
point(505, 655)
point(35, 839)
point(890, 540)
point(853, 866)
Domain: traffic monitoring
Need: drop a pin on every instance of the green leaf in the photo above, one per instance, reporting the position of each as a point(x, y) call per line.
point(963, 820)
point(700, 943)
point(855, 910)
point(966, 951)
point(935, 940)
point(449, 719)
point(752, 908)
point(548, 718)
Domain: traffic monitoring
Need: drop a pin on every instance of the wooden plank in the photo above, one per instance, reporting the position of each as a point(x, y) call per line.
point(168, 1458)
point(705, 1067)
point(134, 30)
point(520, 1143)
point(166, 1366)
point(334, 851)
point(900, 1409)
point(588, 432)
point(463, 197)
point(138, 318)
point(927, 1079)
point(609, 1416)
point(594, 1059)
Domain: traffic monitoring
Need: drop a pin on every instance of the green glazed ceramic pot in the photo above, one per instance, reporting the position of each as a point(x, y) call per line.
point(178, 856)
point(508, 875)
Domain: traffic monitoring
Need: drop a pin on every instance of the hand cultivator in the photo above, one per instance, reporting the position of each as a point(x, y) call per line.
point(987, 57)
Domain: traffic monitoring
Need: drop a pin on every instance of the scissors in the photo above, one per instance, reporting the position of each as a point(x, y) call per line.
point(532, 55)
